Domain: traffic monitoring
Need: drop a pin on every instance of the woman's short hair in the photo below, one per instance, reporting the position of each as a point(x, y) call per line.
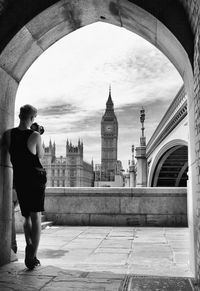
point(27, 111)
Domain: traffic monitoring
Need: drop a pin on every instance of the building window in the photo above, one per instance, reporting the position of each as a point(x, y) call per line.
point(63, 183)
point(52, 183)
point(63, 172)
point(58, 183)
point(58, 172)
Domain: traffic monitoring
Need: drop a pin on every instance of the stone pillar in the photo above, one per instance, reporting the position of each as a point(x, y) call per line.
point(7, 104)
point(132, 169)
point(132, 176)
point(141, 178)
point(5, 207)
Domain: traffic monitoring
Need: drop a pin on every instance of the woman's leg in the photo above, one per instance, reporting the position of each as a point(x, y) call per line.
point(28, 230)
point(36, 230)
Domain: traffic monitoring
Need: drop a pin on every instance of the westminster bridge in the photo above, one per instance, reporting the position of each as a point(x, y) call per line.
point(167, 149)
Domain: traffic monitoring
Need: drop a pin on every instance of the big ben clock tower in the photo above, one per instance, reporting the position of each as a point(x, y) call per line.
point(109, 138)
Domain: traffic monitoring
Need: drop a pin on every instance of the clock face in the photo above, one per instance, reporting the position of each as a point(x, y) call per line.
point(109, 128)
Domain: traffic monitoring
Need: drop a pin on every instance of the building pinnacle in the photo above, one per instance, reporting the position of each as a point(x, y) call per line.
point(109, 103)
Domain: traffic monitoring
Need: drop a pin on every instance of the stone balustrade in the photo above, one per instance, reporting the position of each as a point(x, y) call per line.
point(117, 206)
point(176, 112)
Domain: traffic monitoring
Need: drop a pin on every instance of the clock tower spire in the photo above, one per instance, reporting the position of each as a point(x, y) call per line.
point(109, 139)
point(109, 103)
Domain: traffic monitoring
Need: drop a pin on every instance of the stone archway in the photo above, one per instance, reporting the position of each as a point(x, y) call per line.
point(164, 150)
point(171, 170)
point(49, 26)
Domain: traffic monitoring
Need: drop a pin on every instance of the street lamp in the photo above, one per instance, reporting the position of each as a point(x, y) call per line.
point(142, 119)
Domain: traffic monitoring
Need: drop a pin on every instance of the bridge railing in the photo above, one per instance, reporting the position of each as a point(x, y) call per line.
point(173, 116)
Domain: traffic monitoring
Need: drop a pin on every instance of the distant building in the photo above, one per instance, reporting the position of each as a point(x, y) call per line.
point(69, 171)
point(109, 173)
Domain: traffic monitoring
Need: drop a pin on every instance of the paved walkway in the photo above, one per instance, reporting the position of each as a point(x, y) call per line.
point(104, 258)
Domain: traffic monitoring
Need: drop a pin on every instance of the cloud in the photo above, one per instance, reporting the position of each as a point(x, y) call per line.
point(57, 110)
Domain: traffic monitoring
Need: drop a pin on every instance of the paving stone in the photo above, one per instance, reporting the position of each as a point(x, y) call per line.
point(115, 269)
point(23, 282)
point(108, 258)
point(92, 235)
point(146, 238)
point(113, 243)
point(113, 250)
point(52, 271)
point(105, 275)
point(157, 251)
point(160, 269)
point(96, 283)
point(98, 258)
point(181, 257)
point(83, 243)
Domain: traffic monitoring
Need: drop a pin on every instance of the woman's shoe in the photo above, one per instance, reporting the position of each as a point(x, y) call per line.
point(29, 257)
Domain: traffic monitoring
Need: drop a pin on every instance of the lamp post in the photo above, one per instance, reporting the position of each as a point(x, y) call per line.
point(142, 119)
point(141, 179)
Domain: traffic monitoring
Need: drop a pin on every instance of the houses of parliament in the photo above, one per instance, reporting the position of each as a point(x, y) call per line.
point(73, 171)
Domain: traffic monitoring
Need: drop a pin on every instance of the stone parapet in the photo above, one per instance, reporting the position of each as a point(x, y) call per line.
point(176, 112)
point(117, 206)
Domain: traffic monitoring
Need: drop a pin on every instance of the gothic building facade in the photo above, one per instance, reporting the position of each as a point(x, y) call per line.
point(68, 171)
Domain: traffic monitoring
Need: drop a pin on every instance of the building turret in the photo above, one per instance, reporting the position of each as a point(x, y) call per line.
point(70, 149)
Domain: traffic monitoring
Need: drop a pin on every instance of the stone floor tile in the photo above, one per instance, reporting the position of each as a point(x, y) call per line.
point(113, 243)
point(181, 257)
point(82, 286)
point(150, 229)
point(75, 253)
point(122, 233)
point(105, 275)
point(83, 243)
point(104, 268)
point(119, 237)
point(99, 258)
point(150, 239)
point(98, 229)
point(92, 235)
point(113, 250)
point(158, 268)
point(107, 258)
point(23, 282)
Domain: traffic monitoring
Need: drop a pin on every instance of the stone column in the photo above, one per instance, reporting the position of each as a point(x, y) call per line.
point(132, 176)
point(132, 170)
point(7, 102)
point(141, 178)
point(5, 206)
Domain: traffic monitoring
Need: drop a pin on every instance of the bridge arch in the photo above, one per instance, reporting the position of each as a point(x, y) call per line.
point(41, 28)
point(158, 161)
point(170, 166)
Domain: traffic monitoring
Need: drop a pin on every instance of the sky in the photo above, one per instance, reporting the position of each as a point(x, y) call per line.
point(69, 85)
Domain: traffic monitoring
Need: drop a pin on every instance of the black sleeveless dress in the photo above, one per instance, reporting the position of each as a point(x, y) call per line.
point(30, 194)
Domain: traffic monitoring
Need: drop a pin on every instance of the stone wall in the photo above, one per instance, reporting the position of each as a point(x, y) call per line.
point(193, 11)
point(117, 206)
